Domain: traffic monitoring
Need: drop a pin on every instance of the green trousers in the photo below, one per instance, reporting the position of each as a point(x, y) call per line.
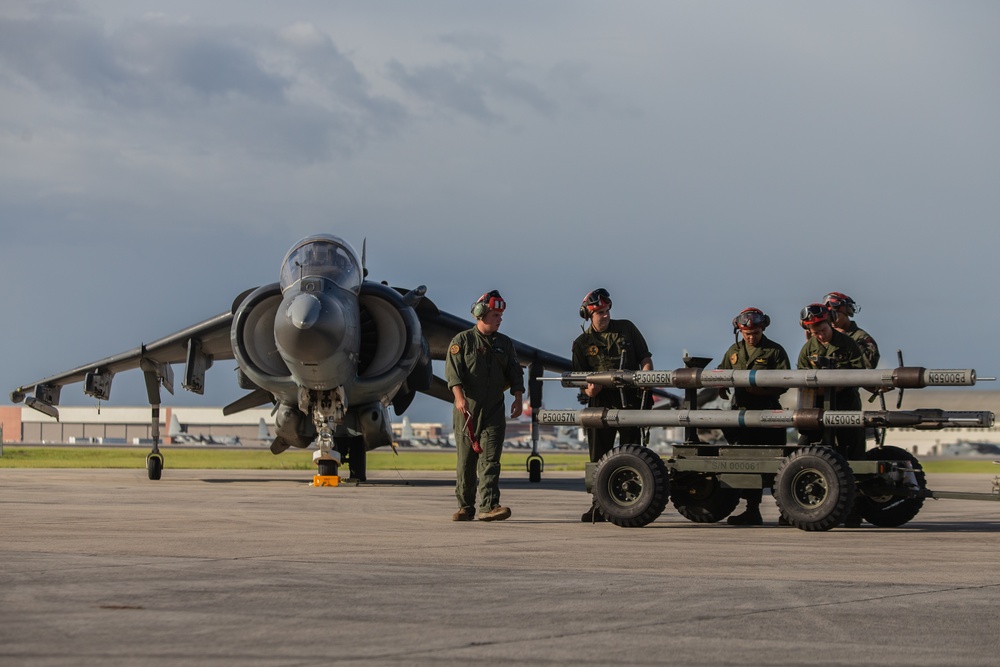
point(484, 467)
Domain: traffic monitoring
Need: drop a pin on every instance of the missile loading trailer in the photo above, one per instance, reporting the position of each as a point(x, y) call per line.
point(813, 483)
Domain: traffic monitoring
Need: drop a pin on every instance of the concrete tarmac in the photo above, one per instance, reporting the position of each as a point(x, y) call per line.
point(259, 568)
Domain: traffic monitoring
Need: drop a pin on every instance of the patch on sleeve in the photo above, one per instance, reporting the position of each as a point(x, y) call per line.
point(455, 349)
point(733, 358)
point(593, 351)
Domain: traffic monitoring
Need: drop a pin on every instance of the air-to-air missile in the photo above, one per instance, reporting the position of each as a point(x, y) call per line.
point(814, 486)
point(809, 418)
point(904, 377)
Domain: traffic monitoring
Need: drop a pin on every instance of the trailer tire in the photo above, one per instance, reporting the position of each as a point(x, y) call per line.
point(631, 486)
point(890, 511)
point(701, 498)
point(814, 488)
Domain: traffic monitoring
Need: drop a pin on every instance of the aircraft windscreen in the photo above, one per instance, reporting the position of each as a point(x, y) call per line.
point(324, 257)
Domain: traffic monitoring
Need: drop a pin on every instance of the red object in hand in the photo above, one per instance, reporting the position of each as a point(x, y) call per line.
point(476, 447)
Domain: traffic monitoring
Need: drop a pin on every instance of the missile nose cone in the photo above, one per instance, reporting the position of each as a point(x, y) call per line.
point(304, 311)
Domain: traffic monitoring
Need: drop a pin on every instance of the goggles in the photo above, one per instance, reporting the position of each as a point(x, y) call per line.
point(836, 301)
point(750, 319)
point(493, 301)
point(597, 299)
point(814, 312)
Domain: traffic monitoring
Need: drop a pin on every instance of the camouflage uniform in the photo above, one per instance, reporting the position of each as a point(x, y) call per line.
point(869, 348)
point(485, 366)
point(840, 352)
point(603, 351)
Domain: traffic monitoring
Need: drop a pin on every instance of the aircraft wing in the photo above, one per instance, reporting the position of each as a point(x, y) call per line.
point(440, 327)
point(213, 341)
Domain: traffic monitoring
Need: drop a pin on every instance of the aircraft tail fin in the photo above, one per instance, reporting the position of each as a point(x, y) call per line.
point(175, 429)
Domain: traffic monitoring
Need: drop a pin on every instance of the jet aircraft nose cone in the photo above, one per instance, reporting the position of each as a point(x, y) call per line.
point(310, 328)
point(304, 311)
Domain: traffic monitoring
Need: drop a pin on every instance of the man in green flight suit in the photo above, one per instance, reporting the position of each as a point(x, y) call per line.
point(481, 364)
point(609, 345)
point(828, 348)
point(843, 308)
point(754, 352)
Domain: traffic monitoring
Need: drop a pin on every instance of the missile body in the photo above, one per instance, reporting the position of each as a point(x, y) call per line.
point(904, 377)
point(812, 418)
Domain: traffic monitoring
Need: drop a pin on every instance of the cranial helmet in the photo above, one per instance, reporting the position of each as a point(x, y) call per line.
point(841, 303)
point(813, 313)
point(594, 301)
point(751, 318)
point(487, 302)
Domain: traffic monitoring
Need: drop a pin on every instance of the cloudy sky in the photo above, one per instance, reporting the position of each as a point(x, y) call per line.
point(694, 158)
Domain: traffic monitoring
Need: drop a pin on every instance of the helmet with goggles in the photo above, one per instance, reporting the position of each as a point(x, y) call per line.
point(841, 303)
point(595, 301)
point(813, 314)
point(750, 319)
point(487, 302)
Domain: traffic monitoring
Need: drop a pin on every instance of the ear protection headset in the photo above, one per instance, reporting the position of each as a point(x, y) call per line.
point(751, 318)
point(487, 302)
point(596, 300)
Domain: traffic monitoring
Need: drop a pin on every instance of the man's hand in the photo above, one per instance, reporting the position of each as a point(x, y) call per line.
point(516, 407)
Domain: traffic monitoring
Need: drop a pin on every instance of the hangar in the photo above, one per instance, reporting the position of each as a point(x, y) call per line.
point(131, 425)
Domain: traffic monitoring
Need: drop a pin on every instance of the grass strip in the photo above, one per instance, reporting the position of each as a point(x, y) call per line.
point(249, 459)
point(262, 459)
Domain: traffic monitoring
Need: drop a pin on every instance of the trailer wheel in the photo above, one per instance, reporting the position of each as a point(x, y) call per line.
point(888, 510)
point(631, 486)
point(701, 498)
point(815, 488)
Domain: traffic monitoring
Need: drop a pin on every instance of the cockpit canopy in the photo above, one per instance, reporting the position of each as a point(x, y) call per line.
point(323, 256)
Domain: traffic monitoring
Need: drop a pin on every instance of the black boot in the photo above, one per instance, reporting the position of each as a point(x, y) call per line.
point(751, 517)
point(593, 515)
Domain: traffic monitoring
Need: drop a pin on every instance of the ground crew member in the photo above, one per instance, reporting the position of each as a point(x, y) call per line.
point(753, 351)
point(829, 348)
point(481, 364)
point(607, 345)
point(843, 308)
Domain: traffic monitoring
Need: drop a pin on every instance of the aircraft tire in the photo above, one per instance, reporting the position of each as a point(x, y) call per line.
point(814, 488)
point(154, 466)
point(701, 498)
point(890, 511)
point(534, 470)
point(631, 486)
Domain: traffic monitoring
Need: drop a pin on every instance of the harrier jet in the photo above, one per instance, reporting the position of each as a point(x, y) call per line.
point(328, 348)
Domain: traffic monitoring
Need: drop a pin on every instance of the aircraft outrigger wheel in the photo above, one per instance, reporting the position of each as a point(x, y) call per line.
point(154, 465)
point(535, 465)
point(631, 486)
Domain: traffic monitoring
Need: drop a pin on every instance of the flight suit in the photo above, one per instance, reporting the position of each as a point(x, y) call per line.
point(869, 348)
point(620, 347)
point(741, 356)
point(768, 355)
point(840, 352)
point(485, 366)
